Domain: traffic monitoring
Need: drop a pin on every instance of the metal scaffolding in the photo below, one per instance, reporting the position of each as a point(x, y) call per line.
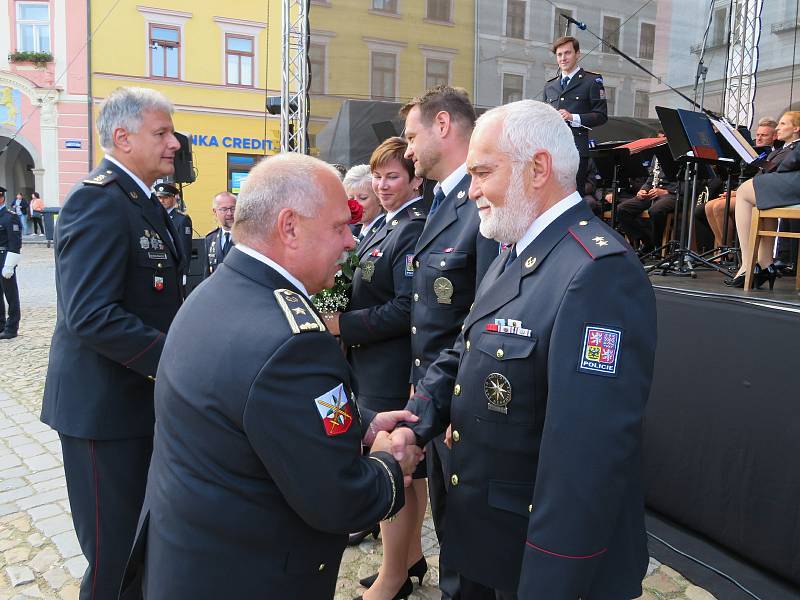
point(294, 76)
point(740, 79)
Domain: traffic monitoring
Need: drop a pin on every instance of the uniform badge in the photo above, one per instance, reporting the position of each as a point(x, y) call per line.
point(158, 283)
point(188, 231)
point(443, 288)
point(395, 222)
point(144, 242)
point(134, 195)
point(497, 388)
point(409, 265)
point(461, 194)
point(334, 409)
point(600, 351)
point(376, 253)
point(530, 262)
point(602, 93)
point(15, 227)
point(367, 271)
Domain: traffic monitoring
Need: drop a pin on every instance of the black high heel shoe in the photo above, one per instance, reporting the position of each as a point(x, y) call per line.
point(735, 282)
point(761, 275)
point(402, 594)
point(418, 570)
point(356, 538)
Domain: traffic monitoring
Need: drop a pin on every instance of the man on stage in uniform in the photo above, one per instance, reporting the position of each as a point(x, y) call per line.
point(546, 386)
point(450, 257)
point(257, 472)
point(10, 246)
point(580, 98)
point(219, 241)
point(167, 194)
point(118, 285)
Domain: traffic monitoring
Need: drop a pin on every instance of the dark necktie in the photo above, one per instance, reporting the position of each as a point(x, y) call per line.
point(512, 256)
point(564, 83)
point(226, 244)
point(437, 200)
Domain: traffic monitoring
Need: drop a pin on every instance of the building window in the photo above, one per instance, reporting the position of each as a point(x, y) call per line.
point(647, 41)
point(719, 36)
point(611, 27)
point(439, 10)
point(384, 75)
point(641, 107)
point(239, 58)
point(437, 72)
point(316, 59)
point(33, 27)
point(515, 19)
point(561, 25)
point(512, 87)
point(165, 48)
point(389, 6)
point(239, 166)
point(611, 100)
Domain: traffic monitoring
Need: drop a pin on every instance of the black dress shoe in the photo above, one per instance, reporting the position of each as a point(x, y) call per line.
point(418, 570)
point(761, 275)
point(356, 538)
point(402, 594)
point(735, 282)
point(7, 335)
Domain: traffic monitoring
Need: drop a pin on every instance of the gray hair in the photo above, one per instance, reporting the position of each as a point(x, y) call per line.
point(357, 177)
point(222, 194)
point(284, 181)
point(767, 122)
point(123, 109)
point(530, 126)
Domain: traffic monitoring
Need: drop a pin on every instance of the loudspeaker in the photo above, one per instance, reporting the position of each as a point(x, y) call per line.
point(184, 167)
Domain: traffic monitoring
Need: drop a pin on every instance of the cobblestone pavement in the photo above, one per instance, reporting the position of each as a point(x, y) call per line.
point(39, 553)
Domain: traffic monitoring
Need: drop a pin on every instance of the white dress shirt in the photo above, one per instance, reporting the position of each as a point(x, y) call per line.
point(271, 263)
point(544, 219)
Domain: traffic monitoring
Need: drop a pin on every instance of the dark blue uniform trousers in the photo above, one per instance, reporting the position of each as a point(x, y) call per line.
point(106, 481)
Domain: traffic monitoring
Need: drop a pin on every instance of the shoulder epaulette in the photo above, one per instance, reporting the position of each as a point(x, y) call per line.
point(416, 214)
point(595, 238)
point(101, 179)
point(212, 233)
point(298, 312)
point(554, 78)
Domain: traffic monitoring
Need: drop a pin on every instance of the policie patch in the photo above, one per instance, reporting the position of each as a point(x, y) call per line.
point(600, 351)
point(334, 409)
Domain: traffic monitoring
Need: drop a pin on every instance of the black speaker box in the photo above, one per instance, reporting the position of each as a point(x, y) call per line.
point(184, 167)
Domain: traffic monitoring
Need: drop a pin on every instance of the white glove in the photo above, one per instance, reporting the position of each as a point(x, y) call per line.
point(12, 260)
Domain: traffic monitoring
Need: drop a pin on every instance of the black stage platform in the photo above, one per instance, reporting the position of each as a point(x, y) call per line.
point(722, 435)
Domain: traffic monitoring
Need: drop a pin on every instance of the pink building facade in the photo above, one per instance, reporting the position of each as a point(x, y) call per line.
point(45, 122)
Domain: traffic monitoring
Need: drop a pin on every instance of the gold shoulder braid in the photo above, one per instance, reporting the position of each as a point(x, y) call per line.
point(298, 312)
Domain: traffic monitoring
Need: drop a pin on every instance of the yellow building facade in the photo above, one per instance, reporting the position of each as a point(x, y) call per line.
point(387, 50)
point(216, 61)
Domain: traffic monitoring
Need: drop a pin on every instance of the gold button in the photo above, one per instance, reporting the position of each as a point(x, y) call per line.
point(562, 98)
point(457, 390)
point(530, 507)
point(159, 265)
point(583, 223)
point(416, 263)
point(417, 362)
point(322, 566)
point(500, 353)
point(468, 345)
point(443, 263)
point(416, 297)
point(454, 479)
point(462, 327)
point(456, 436)
point(414, 330)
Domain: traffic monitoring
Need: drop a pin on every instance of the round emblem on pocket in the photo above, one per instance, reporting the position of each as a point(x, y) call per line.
point(367, 270)
point(497, 388)
point(443, 288)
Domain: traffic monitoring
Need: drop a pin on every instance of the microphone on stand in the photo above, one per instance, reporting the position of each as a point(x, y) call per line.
point(580, 25)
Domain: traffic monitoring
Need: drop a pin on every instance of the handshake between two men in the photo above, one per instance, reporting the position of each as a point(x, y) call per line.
point(384, 435)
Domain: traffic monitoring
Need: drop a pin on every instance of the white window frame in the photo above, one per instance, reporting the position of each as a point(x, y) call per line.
point(323, 38)
point(245, 28)
point(163, 16)
point(386, 47)
point(620, 33)
point(378, 11)
point(639, 39)
point(35, 24)
point(512, 68)
point(649, 105)
point(525, 24)
point(437, 53)
point(554, 18)
point(432, 20)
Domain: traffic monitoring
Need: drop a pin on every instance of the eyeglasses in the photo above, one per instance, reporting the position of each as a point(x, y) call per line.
point(225, 209)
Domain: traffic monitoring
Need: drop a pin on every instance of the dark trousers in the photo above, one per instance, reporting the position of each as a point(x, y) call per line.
point(11, 293)
point(106, 482)
point(472, 590)
point(38, 226)
point(438, 459)
point(631, 222)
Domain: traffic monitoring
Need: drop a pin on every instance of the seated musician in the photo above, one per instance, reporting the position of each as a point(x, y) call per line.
point(778, 186)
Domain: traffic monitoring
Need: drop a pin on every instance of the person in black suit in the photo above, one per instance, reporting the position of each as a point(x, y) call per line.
point(257, 473)
point(579, 96)
point(10, 247)
point(546, 386)
point(118, 286)
point(220, 241)
point(167, 195)
point(377, 333)
point(450, 257)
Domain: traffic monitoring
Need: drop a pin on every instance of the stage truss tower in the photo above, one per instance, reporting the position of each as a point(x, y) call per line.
point(740, 80)
point(294, 76)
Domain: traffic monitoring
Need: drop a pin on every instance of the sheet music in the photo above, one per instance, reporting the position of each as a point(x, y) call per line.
point(736, 140)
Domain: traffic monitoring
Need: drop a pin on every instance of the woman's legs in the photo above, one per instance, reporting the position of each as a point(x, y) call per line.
point(396, 535)
point(420, 490)
point(745, 201)
point(711, 217)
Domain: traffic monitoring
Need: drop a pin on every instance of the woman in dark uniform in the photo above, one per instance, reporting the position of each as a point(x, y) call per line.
point(377, 333)
point(777, 188)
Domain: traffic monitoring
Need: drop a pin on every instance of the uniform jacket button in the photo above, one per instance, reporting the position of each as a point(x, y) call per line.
point(530, 508)
point(500, 353)
point(416, 264)
point(457, 390)
point(454, 479)
point(456, 436)
point(443, 263)
point(468, 345)
point(417, 362)
point(414, 330)
point(322, 566)
point(416, 297)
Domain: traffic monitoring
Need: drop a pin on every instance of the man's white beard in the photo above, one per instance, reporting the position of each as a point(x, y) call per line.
point(508, 223)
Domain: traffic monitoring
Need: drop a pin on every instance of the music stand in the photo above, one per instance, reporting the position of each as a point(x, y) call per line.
point(609, 159)
point(691, 141)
